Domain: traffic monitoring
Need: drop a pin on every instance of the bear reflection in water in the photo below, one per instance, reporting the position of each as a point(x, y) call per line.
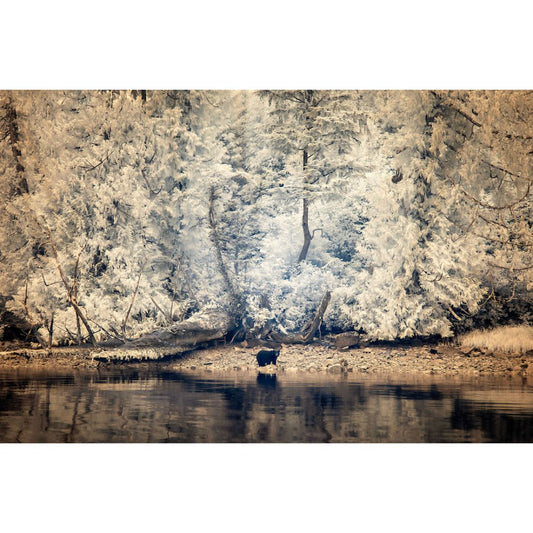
point(266, 381)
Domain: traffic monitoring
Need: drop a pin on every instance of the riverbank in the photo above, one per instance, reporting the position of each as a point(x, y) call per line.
point(441, 359)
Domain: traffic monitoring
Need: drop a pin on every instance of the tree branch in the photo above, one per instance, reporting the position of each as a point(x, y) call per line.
point(511, 269)
point(501, 169)
point(123, 326)
point(462, 113)
point(89, 169)
point(71, 298)
point(488, 206)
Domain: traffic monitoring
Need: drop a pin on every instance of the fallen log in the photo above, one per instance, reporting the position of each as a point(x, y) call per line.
point(182, 337)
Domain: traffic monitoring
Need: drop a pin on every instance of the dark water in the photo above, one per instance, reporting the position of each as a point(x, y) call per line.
point(124, 405)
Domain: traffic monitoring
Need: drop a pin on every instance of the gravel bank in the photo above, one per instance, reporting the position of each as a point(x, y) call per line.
point(57, 359)
point(441, 359)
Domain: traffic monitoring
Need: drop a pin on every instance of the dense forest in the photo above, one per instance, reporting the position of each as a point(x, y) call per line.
point(264, 214)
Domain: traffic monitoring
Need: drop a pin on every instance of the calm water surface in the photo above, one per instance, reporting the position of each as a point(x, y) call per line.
point(125, 405)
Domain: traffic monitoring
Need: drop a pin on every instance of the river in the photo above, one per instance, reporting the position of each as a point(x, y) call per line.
point(127, 405)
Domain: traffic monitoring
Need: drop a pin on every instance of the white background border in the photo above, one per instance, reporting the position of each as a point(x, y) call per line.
point(251, 45)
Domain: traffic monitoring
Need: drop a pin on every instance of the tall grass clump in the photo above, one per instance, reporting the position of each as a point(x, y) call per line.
point(510, 339)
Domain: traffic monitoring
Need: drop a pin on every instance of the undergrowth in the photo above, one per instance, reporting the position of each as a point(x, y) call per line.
point(510, 339)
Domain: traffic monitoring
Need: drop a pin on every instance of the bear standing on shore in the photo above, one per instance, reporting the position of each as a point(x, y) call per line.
point(267, 357)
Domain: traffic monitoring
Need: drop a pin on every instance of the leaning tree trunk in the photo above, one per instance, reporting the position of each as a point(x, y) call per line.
point(70, 293)
point(308, 332)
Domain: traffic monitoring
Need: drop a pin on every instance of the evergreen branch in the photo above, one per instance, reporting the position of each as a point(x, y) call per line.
point(513, 136)
point(491, 165)
point(152, 191)
point(167, 316)
point(468, 229)
point(452, 106)
point(494, 222)
point(510, 242)
point(49, 284)
point(89, 169)
point(291, 96)
point(123, 326)
point(470, 119)
point(510, 269)
point(489, 206)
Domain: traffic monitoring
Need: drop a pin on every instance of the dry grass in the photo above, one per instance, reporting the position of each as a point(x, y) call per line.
point(509, 339)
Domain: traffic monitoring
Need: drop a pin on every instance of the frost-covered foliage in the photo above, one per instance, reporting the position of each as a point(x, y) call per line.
point(492, 172)
point(415, 267)
point(101, 211)
point(125, 211)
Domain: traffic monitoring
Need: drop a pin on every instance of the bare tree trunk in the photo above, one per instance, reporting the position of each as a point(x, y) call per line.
point(50, 332)
point(306, 232)
point(12, 135)
point(305, 216)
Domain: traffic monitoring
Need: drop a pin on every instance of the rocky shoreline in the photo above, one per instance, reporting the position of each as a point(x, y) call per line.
point(441, 359)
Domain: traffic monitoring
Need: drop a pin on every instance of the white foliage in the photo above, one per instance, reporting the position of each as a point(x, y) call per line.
point(405, 191)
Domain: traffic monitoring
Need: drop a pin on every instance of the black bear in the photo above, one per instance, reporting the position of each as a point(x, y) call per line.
point(267, 357)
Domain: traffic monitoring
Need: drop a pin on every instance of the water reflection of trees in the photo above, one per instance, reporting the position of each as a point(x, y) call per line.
point(494, 424)
point(145, 406)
